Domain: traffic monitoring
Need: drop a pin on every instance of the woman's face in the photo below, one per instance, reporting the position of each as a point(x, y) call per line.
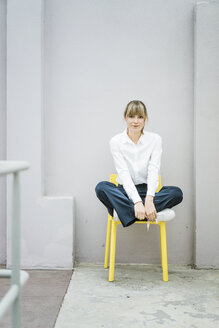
point(135, 123)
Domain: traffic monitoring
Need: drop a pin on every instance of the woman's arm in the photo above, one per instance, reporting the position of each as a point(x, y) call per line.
point(154, 167)
point(153, 179)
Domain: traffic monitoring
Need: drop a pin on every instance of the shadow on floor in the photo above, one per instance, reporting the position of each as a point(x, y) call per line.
point(41, 298)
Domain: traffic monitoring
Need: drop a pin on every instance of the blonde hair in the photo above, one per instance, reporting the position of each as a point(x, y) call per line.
point(136, 107)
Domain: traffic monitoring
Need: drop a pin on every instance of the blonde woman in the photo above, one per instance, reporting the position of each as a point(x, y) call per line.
point(137, 157)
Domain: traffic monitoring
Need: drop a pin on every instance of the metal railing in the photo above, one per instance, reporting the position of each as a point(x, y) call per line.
point(18, 277)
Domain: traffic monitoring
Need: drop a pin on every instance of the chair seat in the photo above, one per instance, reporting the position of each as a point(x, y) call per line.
point(165, 215)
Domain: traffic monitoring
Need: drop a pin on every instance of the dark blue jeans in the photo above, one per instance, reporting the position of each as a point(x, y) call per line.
point(114, 197)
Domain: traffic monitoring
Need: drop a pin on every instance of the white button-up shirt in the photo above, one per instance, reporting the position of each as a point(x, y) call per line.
point(137, 163)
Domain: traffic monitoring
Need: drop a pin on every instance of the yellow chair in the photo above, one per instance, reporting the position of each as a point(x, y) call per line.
point(111, 230)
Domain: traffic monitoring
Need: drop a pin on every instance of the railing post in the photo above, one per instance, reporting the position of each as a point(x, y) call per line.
point(18, 277)
point(15, 279)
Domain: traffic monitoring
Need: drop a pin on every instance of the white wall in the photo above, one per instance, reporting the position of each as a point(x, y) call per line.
point(207, 133)
point(2, 129)
point(71, 79)
point(99, 55)
point(47, 222)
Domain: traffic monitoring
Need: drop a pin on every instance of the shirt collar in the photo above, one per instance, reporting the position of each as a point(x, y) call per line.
point(126, 138)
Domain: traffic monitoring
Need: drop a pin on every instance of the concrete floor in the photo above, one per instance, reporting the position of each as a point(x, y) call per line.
point(139, 298)
point(41, 298)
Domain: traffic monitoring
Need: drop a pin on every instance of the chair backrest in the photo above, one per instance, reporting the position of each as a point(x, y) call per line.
point(114, 176)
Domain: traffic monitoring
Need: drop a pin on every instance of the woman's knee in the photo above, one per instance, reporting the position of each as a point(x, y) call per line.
point(100, 187)
point(178, 194)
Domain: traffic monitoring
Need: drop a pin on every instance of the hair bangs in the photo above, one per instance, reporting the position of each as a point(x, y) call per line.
point(136, 109)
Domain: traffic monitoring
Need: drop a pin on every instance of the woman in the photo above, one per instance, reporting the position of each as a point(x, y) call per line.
point(137, 156)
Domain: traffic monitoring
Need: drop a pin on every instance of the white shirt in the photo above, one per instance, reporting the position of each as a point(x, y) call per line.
point(137, 163)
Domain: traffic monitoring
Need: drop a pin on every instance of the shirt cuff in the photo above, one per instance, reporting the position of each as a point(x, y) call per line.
point(136, 199)
point(150, 192)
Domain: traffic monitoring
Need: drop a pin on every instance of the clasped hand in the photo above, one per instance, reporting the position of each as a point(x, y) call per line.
point(147, 211)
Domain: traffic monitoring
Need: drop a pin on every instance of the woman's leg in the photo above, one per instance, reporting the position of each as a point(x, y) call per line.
point(114, 198)
point(167, 197)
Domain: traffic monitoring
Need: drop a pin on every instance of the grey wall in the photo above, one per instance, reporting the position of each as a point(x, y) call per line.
point(46, 222)
point(99, 55)
point(207, 134)
point(2, 129)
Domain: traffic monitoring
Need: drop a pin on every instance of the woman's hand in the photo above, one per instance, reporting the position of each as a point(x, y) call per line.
point(150, 209)
point(139, 211)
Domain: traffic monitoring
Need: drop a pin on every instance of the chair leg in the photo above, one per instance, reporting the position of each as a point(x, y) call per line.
point(112, 251)
point(106, 261)
point(161, 250)
point(164, 250)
